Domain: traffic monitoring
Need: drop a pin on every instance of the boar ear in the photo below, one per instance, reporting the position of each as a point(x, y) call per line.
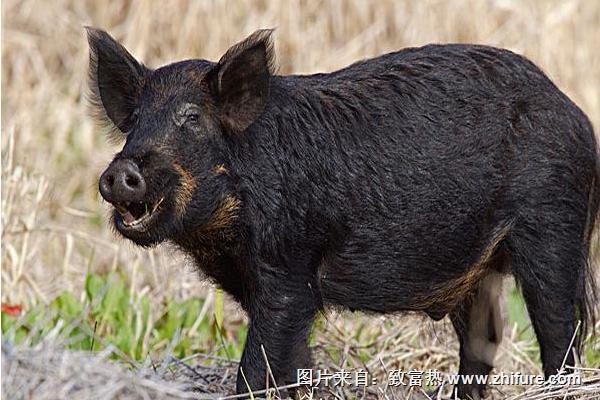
point(115, 80)
point(240, 81)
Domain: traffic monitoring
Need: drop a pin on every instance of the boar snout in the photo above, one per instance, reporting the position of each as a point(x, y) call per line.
point(122, 182)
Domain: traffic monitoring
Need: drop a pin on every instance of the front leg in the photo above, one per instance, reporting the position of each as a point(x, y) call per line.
point(281, 317)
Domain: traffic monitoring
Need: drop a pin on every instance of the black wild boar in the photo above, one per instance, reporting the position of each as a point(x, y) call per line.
point(408, 182)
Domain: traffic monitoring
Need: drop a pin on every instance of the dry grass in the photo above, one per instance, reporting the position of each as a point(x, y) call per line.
point(53, 229)
point(47, 372)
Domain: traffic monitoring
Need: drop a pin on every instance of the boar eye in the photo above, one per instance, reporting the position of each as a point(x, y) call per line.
point(192, 118)
point(187, 114)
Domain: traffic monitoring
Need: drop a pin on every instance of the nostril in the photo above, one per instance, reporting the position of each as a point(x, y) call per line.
point(107, 181)
point(132, 181)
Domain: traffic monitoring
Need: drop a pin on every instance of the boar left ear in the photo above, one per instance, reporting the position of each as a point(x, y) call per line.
point(240, 81)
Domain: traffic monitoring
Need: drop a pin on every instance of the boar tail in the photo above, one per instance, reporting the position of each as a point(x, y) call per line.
point(587, 301)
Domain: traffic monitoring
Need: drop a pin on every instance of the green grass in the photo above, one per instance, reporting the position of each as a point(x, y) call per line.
point(109, 313)
point(516, 311)
point(138, 327)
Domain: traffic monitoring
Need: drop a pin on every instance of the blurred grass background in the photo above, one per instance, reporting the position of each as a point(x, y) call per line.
point(63, 265)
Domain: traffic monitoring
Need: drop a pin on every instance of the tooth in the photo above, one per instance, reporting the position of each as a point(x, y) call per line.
point(157, 204)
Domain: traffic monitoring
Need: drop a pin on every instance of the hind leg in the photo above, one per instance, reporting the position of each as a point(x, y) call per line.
point(550, 273)
point(478, 324)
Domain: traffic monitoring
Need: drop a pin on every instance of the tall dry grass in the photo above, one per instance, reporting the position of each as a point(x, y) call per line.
point(53, 228)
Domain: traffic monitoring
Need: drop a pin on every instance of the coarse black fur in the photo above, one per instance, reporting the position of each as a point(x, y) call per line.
point(400, 183)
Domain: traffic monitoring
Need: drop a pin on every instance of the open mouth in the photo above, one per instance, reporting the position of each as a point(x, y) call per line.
point(136, 215)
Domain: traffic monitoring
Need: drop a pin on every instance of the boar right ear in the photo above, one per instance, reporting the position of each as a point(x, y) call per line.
point(115, 80)
point(239, 82)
